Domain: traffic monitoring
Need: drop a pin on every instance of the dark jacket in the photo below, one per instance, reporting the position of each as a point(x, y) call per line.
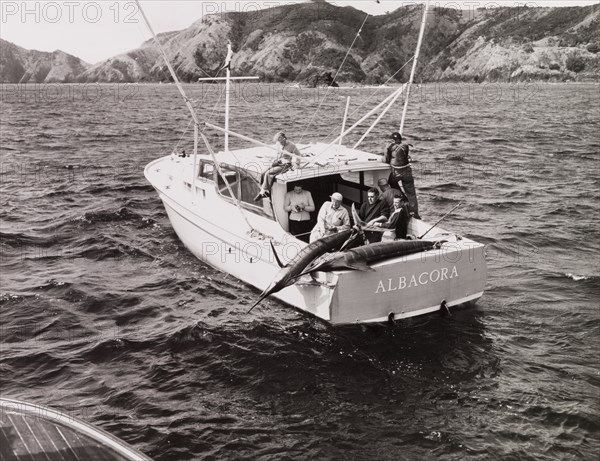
point(397, 155)
point(399, 222)
point(368, 212)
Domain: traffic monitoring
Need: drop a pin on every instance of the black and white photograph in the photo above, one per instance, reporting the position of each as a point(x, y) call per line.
point(299, 230)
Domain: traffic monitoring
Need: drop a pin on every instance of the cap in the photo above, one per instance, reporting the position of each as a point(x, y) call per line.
point(382, 182)
point(337, 196)
point(396, 136)
point(277, 135)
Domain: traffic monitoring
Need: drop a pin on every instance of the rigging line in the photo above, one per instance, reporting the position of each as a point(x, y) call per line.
point(183, 135)
point(336, 129)
point(229, 189)
point(334, 79)
point(197, 132)
point(218, 100)
point(196, 101)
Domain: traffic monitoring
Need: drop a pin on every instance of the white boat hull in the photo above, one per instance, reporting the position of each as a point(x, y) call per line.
point(214, 230)
point(253, 264)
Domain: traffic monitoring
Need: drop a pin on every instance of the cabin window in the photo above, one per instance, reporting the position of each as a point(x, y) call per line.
point(245, 188)
point(233, 180)
point(354, 185)
point(249, 188)
point(207, 171)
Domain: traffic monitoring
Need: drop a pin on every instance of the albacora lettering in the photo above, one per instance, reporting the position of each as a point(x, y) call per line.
point(423, 278)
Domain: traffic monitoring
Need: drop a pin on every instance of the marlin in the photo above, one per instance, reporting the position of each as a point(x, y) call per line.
point(359, 258)
point(290, 272)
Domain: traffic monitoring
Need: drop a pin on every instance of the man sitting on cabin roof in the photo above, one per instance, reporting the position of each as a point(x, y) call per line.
point(333, 218)
point(374, 210)
point(398, 220)
point(281, 165)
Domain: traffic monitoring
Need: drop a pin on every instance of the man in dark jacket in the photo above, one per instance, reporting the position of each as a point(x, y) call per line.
point(397, 155)
point(374, 210)
point(398, 220)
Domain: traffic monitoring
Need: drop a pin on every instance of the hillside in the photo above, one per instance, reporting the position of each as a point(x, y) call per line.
point(18, 65)
point(305, 42)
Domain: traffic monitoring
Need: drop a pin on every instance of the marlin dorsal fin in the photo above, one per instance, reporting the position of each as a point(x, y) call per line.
point(361, 266)
point(276, 255)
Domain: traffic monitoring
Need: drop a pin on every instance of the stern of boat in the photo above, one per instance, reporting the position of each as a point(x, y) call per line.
point(412, 285)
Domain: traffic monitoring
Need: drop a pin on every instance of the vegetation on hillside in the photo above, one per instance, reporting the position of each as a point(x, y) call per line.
point(307, 42)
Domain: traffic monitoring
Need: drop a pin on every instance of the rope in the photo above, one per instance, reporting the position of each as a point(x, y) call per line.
point(334, 79)
point(196, 101)
point(182, 136)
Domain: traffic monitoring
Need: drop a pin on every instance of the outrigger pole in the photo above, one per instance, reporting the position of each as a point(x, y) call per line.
point(396, 94)
point(366, 116)
point(414, 67)
point(391, 103)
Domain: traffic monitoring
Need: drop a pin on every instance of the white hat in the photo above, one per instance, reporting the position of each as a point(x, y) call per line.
point(337, 196)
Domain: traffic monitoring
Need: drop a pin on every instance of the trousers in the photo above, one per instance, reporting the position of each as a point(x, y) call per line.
point(404, 176)
point(301, 227)
point(268, 176)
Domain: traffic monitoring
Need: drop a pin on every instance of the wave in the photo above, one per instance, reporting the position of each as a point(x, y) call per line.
point(96, 189)
point(109, 348)
point(21, 240)
point(446, 187)
point(570, 210)
point(107, 216)
point(593, 279)
point(496, 140)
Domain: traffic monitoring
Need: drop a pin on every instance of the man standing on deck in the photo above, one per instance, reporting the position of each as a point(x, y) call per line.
point(333, 218)
point(397, 155)
point(374, 210)
point(281, 165)
point(299, 204)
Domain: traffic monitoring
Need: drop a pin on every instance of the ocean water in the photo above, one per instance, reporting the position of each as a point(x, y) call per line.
point(105, 315)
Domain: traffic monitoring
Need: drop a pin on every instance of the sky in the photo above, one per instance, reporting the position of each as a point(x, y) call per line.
point(97, 30)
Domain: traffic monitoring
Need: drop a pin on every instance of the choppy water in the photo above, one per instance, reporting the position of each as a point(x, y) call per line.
point(104, 314)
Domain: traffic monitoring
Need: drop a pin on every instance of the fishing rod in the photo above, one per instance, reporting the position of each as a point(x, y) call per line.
point(443, 217)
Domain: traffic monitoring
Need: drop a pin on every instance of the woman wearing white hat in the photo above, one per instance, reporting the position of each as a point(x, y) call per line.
point(333, 217)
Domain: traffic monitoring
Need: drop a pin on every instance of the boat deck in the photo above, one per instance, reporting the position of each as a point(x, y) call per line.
point(33, 432)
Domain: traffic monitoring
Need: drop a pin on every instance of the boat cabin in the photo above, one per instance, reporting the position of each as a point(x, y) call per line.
point(325, 169)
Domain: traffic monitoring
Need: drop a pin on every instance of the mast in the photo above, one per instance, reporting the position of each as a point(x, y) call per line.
point(414, 67)
point(227, 92)
point(343, 128)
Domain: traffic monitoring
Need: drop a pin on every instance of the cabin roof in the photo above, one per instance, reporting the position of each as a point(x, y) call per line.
point(323, 160)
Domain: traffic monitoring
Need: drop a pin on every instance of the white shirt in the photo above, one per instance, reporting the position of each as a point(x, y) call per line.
point(303, 200)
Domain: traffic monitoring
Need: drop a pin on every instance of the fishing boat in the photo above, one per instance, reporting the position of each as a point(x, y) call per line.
point(30, 431)
point(210, 201)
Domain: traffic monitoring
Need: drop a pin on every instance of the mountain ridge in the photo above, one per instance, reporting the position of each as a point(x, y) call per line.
point(307, 42)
